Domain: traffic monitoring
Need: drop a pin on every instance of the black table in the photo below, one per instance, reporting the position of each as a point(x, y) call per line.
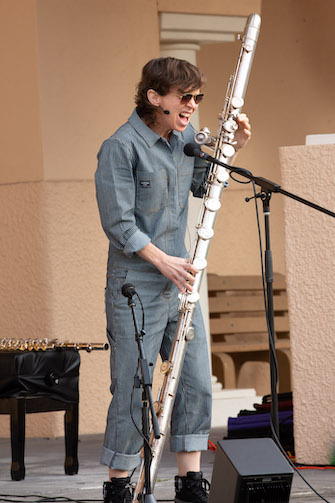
point(40, 381)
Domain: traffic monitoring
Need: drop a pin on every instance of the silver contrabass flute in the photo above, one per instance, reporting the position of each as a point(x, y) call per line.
point(224, 150)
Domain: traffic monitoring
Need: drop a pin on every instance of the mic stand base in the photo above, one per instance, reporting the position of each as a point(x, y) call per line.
point(148, 498)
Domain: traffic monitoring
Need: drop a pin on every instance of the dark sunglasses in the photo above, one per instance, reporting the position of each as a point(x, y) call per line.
point(186, 98)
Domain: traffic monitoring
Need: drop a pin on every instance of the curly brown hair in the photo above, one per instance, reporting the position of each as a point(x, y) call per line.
point(162, 74)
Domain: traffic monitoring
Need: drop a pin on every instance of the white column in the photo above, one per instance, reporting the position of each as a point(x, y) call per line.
point(180, 50)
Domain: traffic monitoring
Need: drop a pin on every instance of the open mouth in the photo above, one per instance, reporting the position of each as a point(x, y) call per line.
point(184, 117)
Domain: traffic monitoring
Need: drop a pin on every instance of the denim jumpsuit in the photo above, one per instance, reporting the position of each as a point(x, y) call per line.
point(142, 185)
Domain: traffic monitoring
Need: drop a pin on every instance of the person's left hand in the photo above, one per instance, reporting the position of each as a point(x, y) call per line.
point(243, 133)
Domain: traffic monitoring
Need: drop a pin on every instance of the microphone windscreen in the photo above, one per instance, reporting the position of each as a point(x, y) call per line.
point(190, 149)
point(128, 290)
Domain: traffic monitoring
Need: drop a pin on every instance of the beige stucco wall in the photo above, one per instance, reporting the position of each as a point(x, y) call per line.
point(20, 132)
point(308, 171)
point(90, 58)
point(53, 285)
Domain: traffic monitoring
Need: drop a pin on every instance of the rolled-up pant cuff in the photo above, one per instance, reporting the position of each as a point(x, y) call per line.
point(118, 461)
point(188, 443)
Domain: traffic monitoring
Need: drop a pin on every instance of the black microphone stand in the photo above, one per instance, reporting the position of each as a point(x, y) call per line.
point(265, 196)
point(267, 188)
point(147, 404)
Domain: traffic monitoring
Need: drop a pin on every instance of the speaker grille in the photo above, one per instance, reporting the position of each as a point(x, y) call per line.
point(250, 471)
point(263, 491)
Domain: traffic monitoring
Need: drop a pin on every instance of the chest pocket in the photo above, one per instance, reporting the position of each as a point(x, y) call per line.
point(151, 191)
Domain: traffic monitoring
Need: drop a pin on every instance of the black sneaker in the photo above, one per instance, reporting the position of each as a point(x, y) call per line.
point(117, 490)
point(192, 488)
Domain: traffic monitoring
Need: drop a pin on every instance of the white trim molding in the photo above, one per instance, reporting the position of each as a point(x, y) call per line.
point(199, 28)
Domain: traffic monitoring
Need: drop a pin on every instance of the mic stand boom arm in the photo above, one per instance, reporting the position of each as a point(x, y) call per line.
point(267, 186)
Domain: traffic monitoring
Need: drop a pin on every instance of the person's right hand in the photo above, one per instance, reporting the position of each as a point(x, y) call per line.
point(179, 270)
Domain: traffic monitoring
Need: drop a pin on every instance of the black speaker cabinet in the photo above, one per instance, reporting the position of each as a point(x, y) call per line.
point(250, 470)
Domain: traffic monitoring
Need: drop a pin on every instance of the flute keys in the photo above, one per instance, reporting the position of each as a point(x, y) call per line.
point(187, 297)
point(237, 102)
point(222, 175)
point(193, 297)
point(200, 263)
point(205, 233)
point(213, 204)
point(30, 345)
point(230, 126)
point(190, 334)
point(228, 150)
point(166, 367)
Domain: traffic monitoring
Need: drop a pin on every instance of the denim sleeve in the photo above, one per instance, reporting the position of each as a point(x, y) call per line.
point(115, 190)
point(201, 168)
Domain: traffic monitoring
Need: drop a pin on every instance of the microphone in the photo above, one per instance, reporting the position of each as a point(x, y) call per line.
point(192, 150)
point(166, 112)
point(128, 290)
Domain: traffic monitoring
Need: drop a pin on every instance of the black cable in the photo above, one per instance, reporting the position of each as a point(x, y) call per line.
point(131, 412)
point(272, 348)
point(140, 301)
point(240, 171)
point(51, 499)
point(293, 465)
point(42, 499)
point(134, 387)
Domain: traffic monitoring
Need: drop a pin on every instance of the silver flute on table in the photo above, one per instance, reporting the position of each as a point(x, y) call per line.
point(224, 150)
